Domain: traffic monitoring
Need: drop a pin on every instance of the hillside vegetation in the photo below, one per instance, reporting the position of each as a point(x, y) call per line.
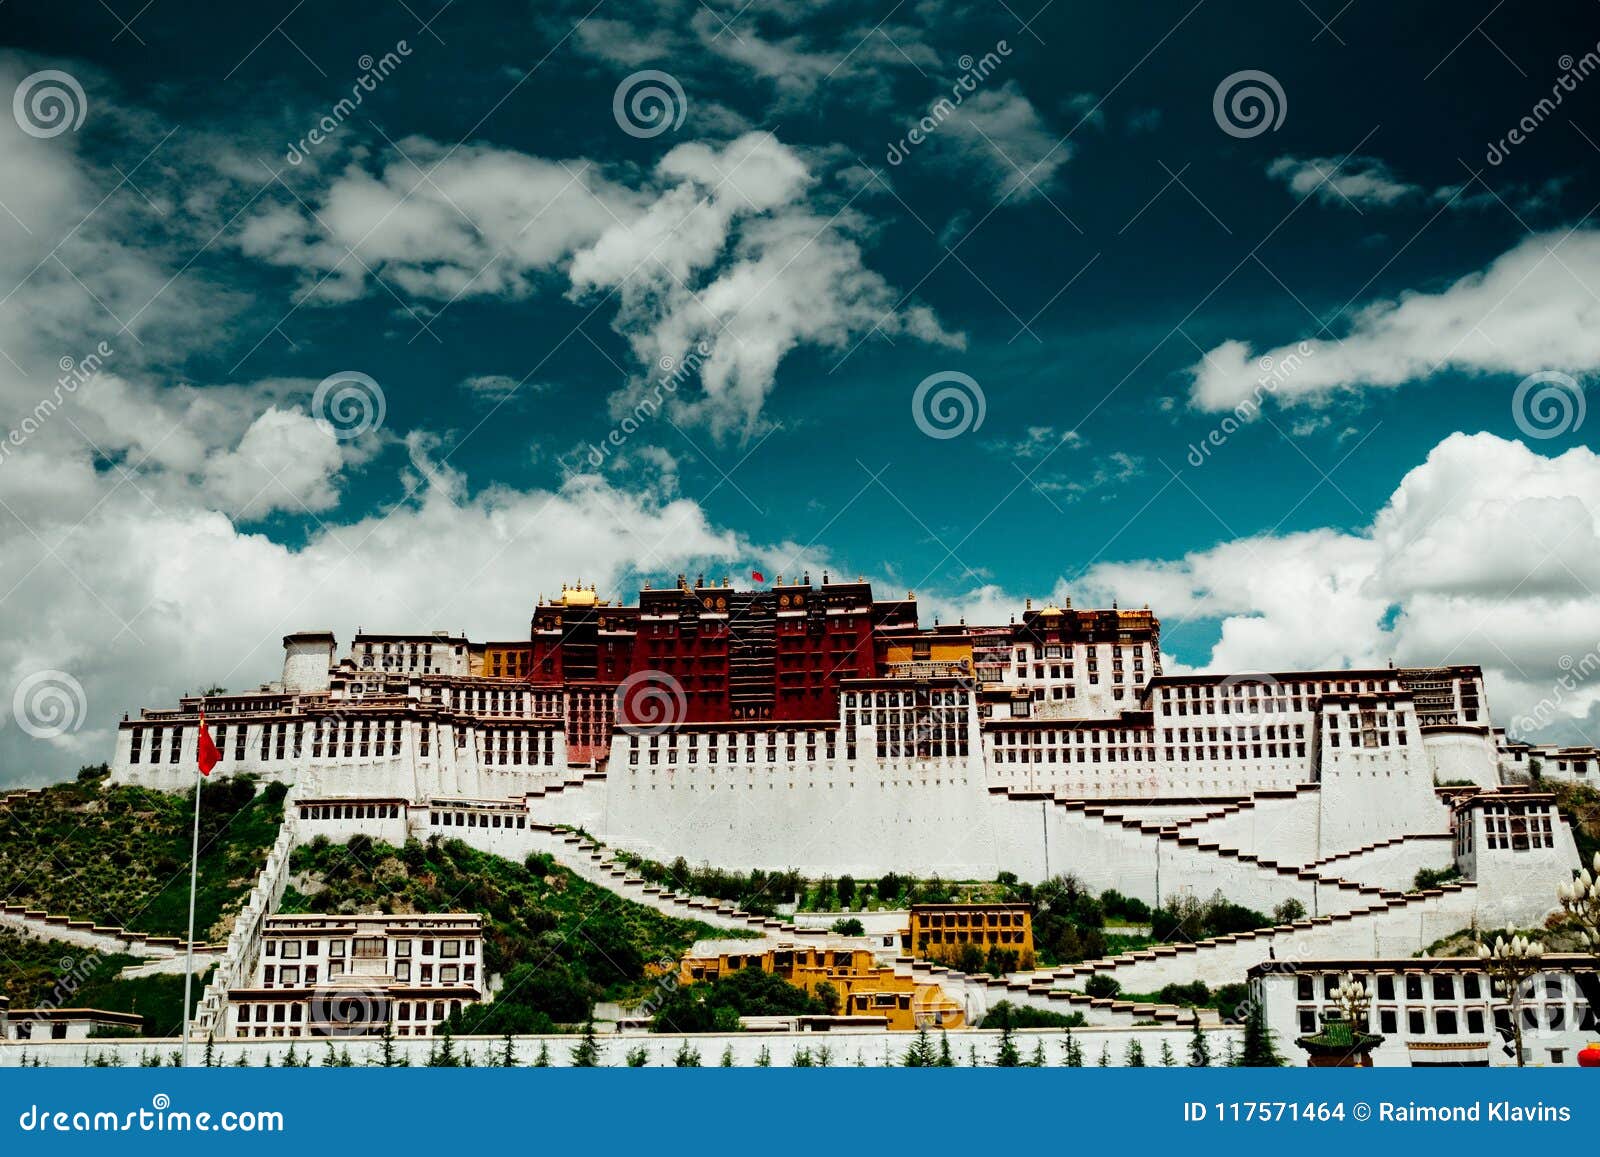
point(54, 974)
point(120, 855)
point(560, 942)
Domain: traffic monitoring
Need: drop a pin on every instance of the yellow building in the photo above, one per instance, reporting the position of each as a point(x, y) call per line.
point(922, 656)
point(941, 931)
point(865, 987)
point(502, 661)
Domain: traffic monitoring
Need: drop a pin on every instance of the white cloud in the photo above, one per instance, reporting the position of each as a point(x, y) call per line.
point(720, 244)
point(500, 389)
point(1534, 308)
point(1486, 553)
point(1037, 442)
point(286, 460)
point(1351, 182)
point(438, 223)
point(1001, 133)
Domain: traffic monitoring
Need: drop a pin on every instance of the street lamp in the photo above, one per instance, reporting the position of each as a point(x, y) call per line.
point(1581, 899)
point(1512, 960)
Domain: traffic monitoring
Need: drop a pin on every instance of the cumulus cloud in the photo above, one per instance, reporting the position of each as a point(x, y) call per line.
point(439, 223)
point(1000, 132)
point(723, 245)
point(1485, 553)
point(1350, 181)
point(1531, 309)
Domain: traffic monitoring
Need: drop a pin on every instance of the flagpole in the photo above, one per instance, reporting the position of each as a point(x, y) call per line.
point(194, 866)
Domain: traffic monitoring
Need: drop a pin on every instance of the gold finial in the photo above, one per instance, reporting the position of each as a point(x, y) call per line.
point(1029, 607)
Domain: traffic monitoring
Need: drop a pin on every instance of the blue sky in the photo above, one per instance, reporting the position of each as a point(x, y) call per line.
point(509, 253)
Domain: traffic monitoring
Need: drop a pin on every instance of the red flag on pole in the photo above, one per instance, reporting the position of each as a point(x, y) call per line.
point(206, 750)
point(758, 576)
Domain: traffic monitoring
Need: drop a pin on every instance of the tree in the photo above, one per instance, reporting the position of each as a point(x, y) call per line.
point(1257, 1051)
point(1135, 1055)
point(1199, 1048)
point(542, 1061)
point(1101, 985)
point(1074, 1051)
point(1289, 911)
point(1037, 1061)
point(687, 1057)
point(508, 1052)
point(920, 1055)
point(764, 1058)
point(828, 995)
point(210, 1060)
point(1168, 1059)
point(444, 1055)
point(1105, 1056)
point(586, 1053)
point(827, 897)
point(727, 1057)
point(1006, 1056)
point(946, 1061)
point(847, 891)
point(638, 1058)
point(848, 926)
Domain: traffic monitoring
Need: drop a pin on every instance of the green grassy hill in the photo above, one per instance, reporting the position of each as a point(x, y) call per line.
point(52, 973)
point(120, 855)
point(560, 942)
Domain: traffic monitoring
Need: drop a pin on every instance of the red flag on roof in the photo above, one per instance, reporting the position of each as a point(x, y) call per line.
point(758, 576)
point(206, 750)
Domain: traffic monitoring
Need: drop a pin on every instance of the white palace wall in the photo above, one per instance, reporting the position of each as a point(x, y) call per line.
point(924, 817)
point(449, 767)
point(842, 1048)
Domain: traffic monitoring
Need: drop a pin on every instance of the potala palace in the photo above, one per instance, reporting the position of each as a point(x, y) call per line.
point(819, 728)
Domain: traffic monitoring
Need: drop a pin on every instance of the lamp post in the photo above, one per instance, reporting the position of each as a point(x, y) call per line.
point(1511, 960)
point(1581, 899)
point(1344, 1041)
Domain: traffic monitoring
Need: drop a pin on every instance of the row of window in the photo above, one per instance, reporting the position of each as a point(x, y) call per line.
point(475, 819)
point(350, 811)
point(369, 947)
point(518, 746)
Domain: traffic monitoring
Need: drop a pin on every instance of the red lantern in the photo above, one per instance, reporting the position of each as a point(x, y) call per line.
point(1589, 1058)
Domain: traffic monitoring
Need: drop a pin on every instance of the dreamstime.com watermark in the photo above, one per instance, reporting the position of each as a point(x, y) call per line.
point(973, 74)
point(348, 404)
point(648, 103)
point(159, 1117)
point(373, 73)
point(1274, 372)
point(49, 103)
point(75, 374)
point(677, 371)
point(948, 404)
point(1573, 73)
point(1248, 103)
point(1548, 404)
point(1575, 674)
point(49, 704)
point(74, 973)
